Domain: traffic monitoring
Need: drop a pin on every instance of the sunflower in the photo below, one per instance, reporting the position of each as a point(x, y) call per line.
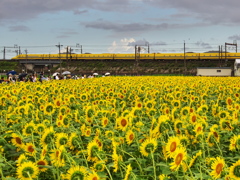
point(109, 134)
point(176, 103)
point(194, 158)
point(47, 136)
point(234, 143)
point(148, 146)
point(44, 151)
point(99, 166)
point(17, 140)
point(229, 101)
point(193, 118)
point(30, 149)
point(130, 136)
point(116, 160)
point(57, 103)
point(61, 139)
point(123, 123)
point(49, 109)
point(223, 114)
point(198, 129)
point(27, 171)
point(178, 125)
point(29, 129)
point(88, 131)
point(234, 171)
point(179, 157)
point(93, 149)
point(22, 158)
point(217, 167)
point(40, 129)
point(163, 177)
point(185, 111)
point(172, 145)
point(76, 172)
point(104, 121)
point(66, 121)
point(42, 162)
point(93, 176)
point(84, 97)
point(138, 104)
point(128, 172)
point(225, 125)
point(73, 141)
point(57, 157)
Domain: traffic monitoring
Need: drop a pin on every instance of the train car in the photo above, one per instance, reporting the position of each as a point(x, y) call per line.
point(132, 56)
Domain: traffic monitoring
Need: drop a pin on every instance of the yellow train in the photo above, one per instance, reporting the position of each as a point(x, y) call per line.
point(143, 56)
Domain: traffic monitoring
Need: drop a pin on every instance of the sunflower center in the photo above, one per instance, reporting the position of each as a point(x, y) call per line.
point(139, 105)
point(30, 149)
point(95, 178)
point(105, 122)
point(179, 158)
point(123, 122)
point(41, 163)
point(18, 140)
point(215, 134)
point(58, 103)
point(26, 171)
point(194, 118)
point(131, 137)
point(173, 146)
point(236, 171)
point(219, 168)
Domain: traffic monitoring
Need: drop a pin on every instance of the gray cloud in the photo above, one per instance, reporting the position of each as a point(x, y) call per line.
point(203, 45)
point(18, 28)
point(234, 37)
point(26, 9)
point(77, 11)
point(214, 11)
point(118, 27)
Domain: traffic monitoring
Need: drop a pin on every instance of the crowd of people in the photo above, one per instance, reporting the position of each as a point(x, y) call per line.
point(41, 77)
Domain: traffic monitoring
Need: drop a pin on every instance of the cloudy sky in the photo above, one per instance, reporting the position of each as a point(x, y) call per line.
point(115, 26)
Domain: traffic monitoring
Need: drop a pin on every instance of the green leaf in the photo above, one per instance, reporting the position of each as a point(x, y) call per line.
point(149, 168)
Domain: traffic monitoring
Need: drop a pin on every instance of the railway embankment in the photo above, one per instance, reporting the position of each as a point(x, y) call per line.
point(123, 67)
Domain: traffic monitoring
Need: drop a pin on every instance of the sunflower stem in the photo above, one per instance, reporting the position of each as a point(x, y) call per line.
point(29, 175)
point(1, 173)
point(83, 152)
point(190, 172)
point(105, 167)
point(134, 159)
point(154, 167)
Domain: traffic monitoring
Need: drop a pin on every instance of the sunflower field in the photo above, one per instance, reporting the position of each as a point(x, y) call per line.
point(119, 128)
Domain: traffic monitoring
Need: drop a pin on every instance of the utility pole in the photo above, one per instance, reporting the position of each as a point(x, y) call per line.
point(4, 52)
point(59, 56)
point(185, 64)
